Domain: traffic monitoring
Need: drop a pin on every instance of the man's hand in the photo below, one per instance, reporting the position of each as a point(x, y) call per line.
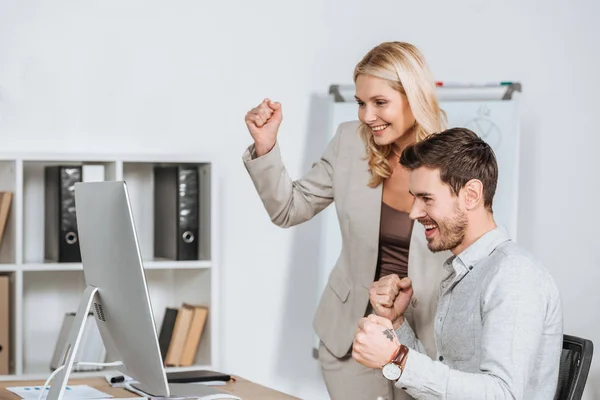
point(375, 341)
point(390, 297)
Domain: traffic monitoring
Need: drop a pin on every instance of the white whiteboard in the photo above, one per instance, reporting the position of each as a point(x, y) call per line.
point(492, 113)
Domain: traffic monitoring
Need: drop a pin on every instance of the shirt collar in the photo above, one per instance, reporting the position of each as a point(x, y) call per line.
point(483, 247)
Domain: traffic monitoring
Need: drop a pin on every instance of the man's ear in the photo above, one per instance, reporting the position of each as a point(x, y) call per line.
point(473, 194)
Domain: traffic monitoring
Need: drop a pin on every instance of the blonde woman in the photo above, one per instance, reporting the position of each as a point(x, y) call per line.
point(359, 170)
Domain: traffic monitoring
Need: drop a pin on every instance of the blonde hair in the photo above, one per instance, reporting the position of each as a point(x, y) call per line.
point(404, 67)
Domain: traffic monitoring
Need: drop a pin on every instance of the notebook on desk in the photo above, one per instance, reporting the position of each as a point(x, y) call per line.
point(186, 391)
point(199, 375)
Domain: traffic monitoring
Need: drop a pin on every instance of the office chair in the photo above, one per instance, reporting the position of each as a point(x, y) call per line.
point(575, 361)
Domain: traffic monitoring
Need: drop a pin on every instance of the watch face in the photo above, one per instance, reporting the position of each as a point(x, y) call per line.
point(391, 371)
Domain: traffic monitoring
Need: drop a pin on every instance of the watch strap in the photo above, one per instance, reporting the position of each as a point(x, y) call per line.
point(399, 355)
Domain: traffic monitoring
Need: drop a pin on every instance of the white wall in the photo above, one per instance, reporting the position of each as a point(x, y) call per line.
point(154, 76)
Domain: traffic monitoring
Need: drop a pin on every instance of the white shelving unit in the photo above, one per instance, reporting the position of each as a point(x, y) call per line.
point(42, 292)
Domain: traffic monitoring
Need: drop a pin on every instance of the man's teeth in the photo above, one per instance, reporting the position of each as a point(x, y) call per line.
point(380, 127)
point(428, 227)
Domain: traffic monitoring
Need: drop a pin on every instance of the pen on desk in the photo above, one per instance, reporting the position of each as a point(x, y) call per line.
point(117, 379)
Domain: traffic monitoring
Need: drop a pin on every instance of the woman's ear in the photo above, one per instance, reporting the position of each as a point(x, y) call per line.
point(473, 192)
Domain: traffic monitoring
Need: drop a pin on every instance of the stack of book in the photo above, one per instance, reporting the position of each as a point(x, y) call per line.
point(5, 326)
point(5, 200)
point(180, 334)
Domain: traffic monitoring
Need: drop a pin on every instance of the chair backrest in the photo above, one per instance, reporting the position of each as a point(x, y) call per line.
point(575, 361)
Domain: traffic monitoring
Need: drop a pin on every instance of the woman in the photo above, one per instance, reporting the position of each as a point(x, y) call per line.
point(359, 170)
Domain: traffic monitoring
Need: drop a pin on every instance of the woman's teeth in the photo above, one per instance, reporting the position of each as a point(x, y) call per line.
point(379, 127)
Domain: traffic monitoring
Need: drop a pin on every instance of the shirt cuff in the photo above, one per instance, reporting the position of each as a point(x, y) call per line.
point(406, 335)
point(422, 377)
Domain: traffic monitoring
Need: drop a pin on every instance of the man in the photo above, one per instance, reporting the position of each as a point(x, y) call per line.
point(498, 327)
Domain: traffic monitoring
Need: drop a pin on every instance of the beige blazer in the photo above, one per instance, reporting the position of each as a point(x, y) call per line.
point(341, 176)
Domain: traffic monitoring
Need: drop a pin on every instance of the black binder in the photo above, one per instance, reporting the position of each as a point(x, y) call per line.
point(166, 331)
point(61, 241)
point(176, 208)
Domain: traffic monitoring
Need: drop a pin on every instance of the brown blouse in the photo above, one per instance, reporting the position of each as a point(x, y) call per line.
point(395, 231)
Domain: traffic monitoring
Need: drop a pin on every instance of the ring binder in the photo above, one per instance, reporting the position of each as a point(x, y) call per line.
point(176, 209)
point(61, 242)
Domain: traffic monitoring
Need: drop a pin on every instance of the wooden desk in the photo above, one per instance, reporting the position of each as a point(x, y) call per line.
point(240, 387)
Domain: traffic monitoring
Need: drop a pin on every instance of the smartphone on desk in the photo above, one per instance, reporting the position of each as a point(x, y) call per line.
point(200, 375)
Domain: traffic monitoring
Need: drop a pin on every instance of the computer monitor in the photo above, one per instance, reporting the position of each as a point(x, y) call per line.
point(116, 289)
point(117, 293)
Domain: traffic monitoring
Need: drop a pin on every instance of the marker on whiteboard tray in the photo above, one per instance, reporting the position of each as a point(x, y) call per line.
point(469, 85)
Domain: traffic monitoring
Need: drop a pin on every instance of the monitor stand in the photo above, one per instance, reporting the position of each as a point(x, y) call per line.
point(59, 383)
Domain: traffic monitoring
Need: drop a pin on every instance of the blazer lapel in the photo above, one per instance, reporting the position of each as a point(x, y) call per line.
point(368, 216)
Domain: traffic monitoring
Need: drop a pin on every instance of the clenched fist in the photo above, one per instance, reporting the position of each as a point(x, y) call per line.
point(390, 296)
point(263, 123)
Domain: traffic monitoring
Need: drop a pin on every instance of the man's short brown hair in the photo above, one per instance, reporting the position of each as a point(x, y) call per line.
point(460, 155)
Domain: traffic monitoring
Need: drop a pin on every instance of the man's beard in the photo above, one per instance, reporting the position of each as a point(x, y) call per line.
point(451, 232)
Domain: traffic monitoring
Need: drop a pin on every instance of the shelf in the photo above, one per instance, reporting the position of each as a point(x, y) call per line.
point(112, 157)
point(8, 268)
point(50, 267)
point(168, 264)
point(42, 373)
point(42, 290)
point(148, 265)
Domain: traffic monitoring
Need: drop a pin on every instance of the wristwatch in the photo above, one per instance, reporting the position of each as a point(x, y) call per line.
point(393, 369)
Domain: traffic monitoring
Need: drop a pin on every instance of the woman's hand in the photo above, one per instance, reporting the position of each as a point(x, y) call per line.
point(263, 123)
point(390, 297)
